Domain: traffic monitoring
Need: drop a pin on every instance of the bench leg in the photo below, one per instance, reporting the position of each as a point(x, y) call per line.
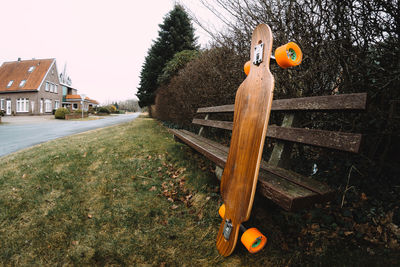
point(218, 172)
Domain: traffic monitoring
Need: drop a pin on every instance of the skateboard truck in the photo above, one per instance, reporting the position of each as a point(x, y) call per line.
point(286, 56)
point(258, 54)
point(251, 238)
point(227, 229)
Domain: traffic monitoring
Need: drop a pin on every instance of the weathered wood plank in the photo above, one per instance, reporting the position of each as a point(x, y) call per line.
point(209, 151)
point(331, 102)
point(216, 109)
point(227, 125)
point(289, 190)
point(287, 195)
point(280, 155)
point(349, 142)
point(356, 101)
point(295, 178)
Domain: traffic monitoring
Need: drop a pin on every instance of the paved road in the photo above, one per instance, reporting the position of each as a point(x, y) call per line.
point(14, 137)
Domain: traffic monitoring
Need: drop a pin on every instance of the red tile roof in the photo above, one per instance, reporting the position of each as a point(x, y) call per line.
point(78, 97)
point(92, 101)
point(18, 70)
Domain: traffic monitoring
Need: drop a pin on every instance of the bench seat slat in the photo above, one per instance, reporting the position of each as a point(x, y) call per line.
point(357, 101)
point(349, 142)
point(293, 177)
point(289, 190)
point(205, 148)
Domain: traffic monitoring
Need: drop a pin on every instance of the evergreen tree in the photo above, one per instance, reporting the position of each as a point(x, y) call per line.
point(176, 34)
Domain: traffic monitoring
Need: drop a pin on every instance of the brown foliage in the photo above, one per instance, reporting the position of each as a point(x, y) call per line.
point(210, 80)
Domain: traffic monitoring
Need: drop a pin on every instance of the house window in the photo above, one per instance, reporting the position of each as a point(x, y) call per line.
point(33, 106)
point(2, 102)
point(56, 89)
point(47, 87)
point(10, 83)
point(56, 104)
point(51, 87)
point(22, 83)
point(22, 105)
point(47, 105)
point(75, 106)
point(31, 68)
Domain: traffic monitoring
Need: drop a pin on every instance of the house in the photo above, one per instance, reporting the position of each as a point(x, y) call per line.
point(29, 87)
point(92, 103)
point(75, 102)
point(70, 97)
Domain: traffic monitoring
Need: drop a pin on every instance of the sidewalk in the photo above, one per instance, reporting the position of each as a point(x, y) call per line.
point(27, 119)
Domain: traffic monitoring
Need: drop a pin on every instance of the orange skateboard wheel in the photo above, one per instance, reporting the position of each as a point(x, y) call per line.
point(246, 67)
point(288, 55)
point(221, 211)
point(253, 240)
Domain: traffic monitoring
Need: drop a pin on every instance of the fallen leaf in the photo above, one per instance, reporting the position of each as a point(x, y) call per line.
point(90, 216)
point(315, 226)
point(174, 207)
point(153, 188)
point(364, 197)
point(394, 229)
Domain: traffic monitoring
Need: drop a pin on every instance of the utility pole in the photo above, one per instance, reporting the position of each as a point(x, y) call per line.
point(82, 102)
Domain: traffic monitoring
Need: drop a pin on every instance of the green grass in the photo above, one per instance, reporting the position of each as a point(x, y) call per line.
point(120, 195)
point(131, 195)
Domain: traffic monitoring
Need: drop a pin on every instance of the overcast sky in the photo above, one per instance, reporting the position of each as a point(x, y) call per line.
point(103, 42)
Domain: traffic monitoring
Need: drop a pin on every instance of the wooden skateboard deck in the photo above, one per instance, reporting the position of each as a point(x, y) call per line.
point(251, 115)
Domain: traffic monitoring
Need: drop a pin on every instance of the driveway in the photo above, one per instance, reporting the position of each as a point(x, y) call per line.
point(17, 133)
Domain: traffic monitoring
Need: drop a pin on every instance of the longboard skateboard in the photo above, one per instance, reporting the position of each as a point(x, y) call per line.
point(251, 115)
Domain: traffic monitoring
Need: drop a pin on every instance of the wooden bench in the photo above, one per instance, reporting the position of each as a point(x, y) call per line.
point(288, 189)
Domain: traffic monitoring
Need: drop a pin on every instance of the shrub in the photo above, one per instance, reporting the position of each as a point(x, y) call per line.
point(210, 79)
point(60, 113)
point(112, 109)
point(104, 110)
point(177, 63)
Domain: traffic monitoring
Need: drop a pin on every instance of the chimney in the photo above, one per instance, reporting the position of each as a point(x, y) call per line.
point(19, 59)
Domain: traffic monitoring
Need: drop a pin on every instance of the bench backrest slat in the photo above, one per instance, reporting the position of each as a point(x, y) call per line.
point(356, 101)
point(227, 125)
point(349, 142)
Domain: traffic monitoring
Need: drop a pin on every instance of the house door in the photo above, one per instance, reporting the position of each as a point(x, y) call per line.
point(33, 107)
point(8, 107)
point(41, 105)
